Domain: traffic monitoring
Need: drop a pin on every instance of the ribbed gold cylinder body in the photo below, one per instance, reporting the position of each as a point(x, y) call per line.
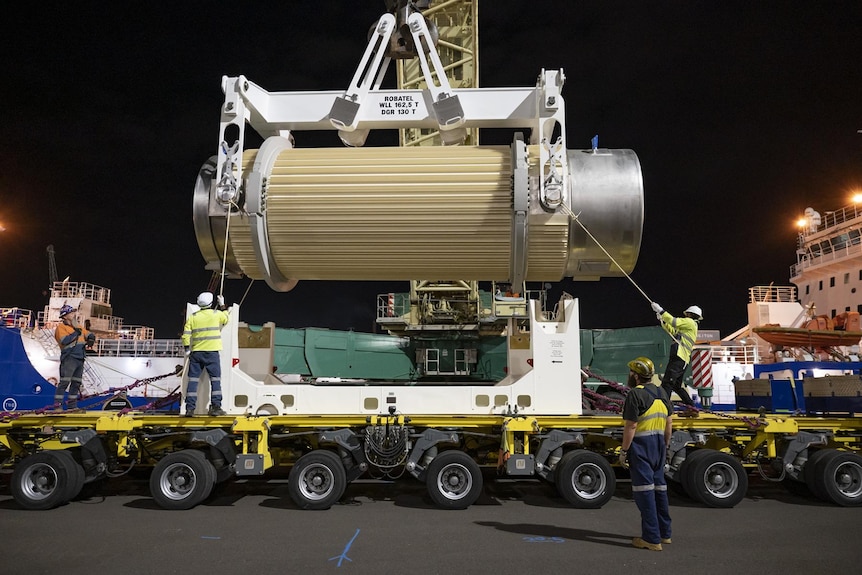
point(396, 214)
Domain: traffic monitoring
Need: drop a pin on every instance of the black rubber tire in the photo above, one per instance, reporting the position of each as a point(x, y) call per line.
point(809, 472)
point(716, 479)
point(317, 480)
point(585, 479)
point(840, 478)
point(684, 472)
point(182, 479)
point(223, 469)
point(75, 474)
point(454, 480)
point(674, 478)
point(796, 487)
point(40, 481)
point(676, 486)
point(223, 473)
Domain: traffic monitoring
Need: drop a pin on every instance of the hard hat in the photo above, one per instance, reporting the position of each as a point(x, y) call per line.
point(695, 310)
point(205, 299)
point(643, 366)
point(66, 310)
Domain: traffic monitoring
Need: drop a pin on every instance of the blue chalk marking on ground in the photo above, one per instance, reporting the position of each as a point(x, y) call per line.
point(209, 537)
point(535, 539)
point(343, 555)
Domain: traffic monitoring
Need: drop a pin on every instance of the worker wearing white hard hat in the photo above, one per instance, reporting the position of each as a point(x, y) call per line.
point(684, 332)
point(202, 342)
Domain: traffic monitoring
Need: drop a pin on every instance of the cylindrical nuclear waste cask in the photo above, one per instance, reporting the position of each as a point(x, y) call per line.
point(402, 213)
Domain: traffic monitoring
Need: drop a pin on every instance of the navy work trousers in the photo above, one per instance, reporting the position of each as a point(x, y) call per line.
point(649, 488)
point(198, 362)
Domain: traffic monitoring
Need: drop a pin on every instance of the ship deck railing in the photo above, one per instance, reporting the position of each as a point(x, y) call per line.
point(771, 294)
point(730, 353)
point(828, 251)
point(833, 220)
point(138, 348)
point(16, 317)
point(83, 290)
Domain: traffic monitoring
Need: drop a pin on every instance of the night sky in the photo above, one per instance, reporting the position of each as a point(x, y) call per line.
point(742, 114)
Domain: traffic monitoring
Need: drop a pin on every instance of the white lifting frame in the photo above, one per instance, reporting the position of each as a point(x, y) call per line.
point(540, 110)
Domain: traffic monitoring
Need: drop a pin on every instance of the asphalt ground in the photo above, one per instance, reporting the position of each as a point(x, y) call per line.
point(252, 526)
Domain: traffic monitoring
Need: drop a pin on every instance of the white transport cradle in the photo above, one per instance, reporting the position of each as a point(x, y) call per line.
point(544, 378)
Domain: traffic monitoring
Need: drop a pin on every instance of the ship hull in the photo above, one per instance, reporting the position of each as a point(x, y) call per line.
point(29, 374)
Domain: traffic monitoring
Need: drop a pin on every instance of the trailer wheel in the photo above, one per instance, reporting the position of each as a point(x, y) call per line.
point(684, 472)
point(41, 481)
point(795, 487)
point(317, 480)
point(809, 472)
point(454, 480)
point(839, 474)
point(75, 474)
point(716, 479)
point(584, 479)
point(223, 469)
point(677, 482)
point(182, 479)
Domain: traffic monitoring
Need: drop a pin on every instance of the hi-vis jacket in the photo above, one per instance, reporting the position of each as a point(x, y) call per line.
point(684, 329)
point(203, 330)
point(72, 341)
point(650, 408)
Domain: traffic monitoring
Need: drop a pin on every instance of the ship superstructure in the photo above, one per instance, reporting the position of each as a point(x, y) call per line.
point(828, 269)
point(123, 355)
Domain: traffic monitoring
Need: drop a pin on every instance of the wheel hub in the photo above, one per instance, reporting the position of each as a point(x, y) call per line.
point(318, 481)
point(716, 479)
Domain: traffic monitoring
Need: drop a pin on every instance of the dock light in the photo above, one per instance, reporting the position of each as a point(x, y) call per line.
point(857, 198)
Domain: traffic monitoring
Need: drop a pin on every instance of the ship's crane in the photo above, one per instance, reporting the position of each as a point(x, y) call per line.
point(52, 266)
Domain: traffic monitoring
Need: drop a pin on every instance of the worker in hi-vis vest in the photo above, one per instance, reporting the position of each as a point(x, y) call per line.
point(202, 342)
point(648, 417)
point(72, 339)
point(683, 330)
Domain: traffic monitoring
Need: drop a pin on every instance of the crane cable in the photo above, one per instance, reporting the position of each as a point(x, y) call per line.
point(224, 254)
point(224, 257)
point(574, 216)
point(568, 211)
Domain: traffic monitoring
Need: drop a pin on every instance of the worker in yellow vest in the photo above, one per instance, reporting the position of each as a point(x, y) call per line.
point(202, 343)
point(647, 414)
point(683, 330)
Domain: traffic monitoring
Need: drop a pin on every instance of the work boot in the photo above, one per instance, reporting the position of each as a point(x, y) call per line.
point(641, 544)
point(666, 540)
point(216, 411)
point(189, 413)
point(685, 410)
